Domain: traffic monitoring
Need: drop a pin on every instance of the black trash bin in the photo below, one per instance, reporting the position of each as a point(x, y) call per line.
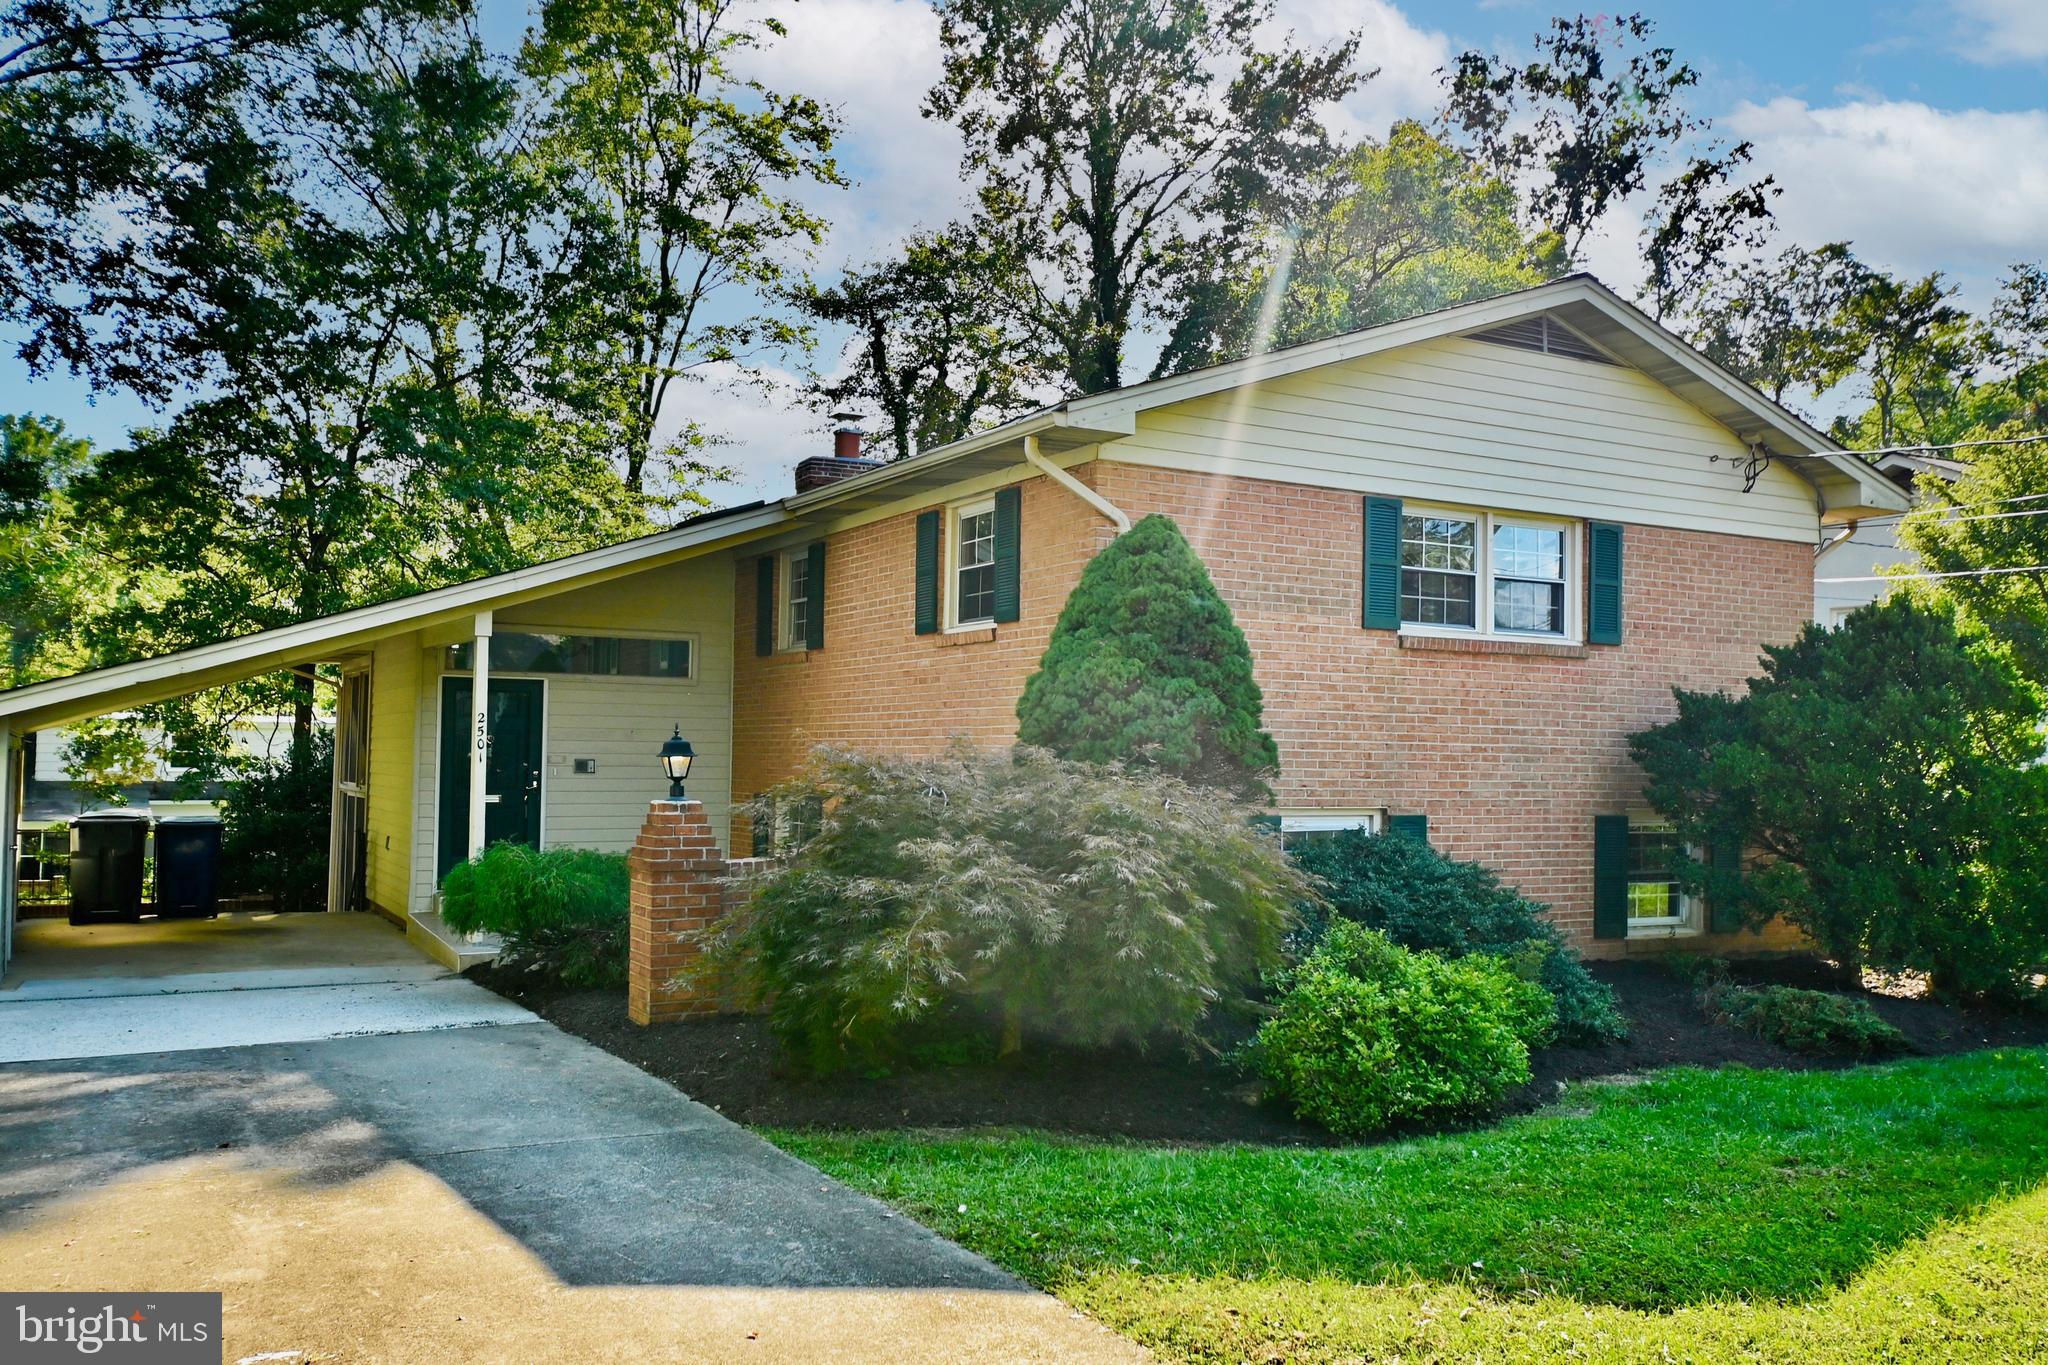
point(107, 849)
point(188, 866)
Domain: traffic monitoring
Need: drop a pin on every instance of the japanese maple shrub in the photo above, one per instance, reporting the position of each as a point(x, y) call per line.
point(1147, 667)
point(1886, 778)
point(1008, 892)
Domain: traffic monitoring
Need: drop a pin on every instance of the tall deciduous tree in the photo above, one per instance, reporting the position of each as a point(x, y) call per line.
point(1596, 116)
point(703, 170)
point(1914, 352)
point(1117, 142)
point(1387, 230)
point(105, 109)
point(1780, 323)
point(939, 347)
point(412, 350)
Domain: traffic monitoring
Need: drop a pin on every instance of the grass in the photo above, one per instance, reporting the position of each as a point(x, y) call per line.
point(1891, 1212)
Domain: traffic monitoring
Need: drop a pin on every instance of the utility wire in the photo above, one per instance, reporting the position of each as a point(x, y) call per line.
point(1941, 513)
point(1950, 445)
point(1954, 573)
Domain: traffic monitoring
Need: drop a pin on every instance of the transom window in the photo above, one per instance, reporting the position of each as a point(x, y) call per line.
point(796, 599)
point(1654, 897)
point(602, 655)
point(1485, 572)
point(974, 564)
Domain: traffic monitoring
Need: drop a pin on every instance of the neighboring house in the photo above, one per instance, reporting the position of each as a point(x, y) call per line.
point(1473, 552)
point(1849, 570)
point(52, 793)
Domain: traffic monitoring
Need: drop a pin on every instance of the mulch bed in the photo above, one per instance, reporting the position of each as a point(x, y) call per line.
point(735, 1065)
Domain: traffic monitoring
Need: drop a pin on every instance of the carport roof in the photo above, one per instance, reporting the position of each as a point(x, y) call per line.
point(61, 700)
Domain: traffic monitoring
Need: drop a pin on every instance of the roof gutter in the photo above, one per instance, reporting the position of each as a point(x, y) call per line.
point(1110, 511)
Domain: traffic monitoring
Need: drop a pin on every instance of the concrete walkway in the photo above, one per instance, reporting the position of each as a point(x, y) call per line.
point(501, 1193)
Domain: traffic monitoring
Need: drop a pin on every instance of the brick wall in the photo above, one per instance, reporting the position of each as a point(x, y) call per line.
point(1509, 751)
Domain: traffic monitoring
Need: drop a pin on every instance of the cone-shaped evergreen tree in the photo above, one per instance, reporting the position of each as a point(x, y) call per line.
point(1146, 666)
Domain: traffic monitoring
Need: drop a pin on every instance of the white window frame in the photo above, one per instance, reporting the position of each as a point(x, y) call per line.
point(1486, 522)
point(1329, 821)
point(1687, 920)
point(786, 636)
point(955, 542)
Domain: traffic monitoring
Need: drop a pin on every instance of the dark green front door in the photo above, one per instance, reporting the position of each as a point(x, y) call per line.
point(512, 770)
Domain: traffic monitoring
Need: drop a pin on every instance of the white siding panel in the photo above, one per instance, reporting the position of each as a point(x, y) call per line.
point(1483, 425)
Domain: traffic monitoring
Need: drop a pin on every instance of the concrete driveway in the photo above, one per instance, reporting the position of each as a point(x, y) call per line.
point(502, 1192)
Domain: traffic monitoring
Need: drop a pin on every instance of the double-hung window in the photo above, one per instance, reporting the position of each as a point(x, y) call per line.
point(1487, 572)
point(974, 564)
point(1655, 900)
point(796, 599)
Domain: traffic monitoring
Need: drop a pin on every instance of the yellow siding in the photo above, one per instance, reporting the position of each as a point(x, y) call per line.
point(619, 722)
point(394, 689)
point(1477, 424)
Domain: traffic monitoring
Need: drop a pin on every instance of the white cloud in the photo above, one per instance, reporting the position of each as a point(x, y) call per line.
point(1407, 57)
point(872, 60)
point(1996, 32)
point(1915, 187)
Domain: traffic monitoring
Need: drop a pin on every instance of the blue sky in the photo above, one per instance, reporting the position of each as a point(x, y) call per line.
point(1918, 130)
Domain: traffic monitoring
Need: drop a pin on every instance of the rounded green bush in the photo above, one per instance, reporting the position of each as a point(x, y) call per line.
point(1369, 1034)
point(1423, 900)
point(562, 912)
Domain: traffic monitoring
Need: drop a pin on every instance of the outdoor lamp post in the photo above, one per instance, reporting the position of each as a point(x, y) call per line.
point(676, 755)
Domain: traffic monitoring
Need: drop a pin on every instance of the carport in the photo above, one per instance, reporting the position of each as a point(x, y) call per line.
point(417, 708)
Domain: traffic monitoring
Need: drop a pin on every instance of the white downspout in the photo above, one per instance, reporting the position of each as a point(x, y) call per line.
point(1036, 459)
point(480, 729)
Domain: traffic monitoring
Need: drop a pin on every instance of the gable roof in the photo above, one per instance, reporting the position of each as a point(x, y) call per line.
point(1846, 486)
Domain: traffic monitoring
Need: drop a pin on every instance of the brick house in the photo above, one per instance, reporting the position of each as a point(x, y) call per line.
point(1472, 552)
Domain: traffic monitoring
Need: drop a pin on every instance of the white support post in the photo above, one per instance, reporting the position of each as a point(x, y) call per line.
point(480, 729)
point(10, 863)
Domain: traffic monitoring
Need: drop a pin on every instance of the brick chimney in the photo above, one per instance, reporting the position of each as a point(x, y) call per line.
point(844, 462)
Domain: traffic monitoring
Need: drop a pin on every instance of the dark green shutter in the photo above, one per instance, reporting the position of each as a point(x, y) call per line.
point(1723, 916)
point(1414, 827)
point(1610, 876)
point(1382, 564)
point(1009, 514)
point(928, 573)
point(814, 589)
point(764, 605)
point(1603, 618)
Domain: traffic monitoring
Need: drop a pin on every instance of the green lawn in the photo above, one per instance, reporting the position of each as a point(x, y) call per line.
point(1896, 1212)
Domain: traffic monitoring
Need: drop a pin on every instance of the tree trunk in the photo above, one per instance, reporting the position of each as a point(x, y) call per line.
point(302, 704)
point(1012, 1044)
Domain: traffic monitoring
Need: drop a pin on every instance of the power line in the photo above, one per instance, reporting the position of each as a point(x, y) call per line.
point(1951, 445)
point(1941, 514)
point(1954, 573)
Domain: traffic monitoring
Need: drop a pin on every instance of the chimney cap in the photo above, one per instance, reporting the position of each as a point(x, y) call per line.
point(848, 421)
